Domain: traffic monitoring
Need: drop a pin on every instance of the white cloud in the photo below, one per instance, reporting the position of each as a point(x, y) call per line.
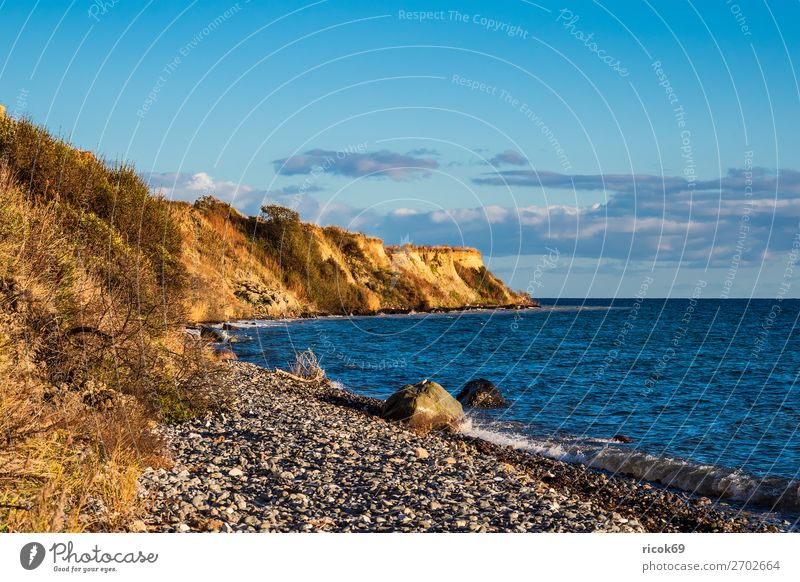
point(699, 226)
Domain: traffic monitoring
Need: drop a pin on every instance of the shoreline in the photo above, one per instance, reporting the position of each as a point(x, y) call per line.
point(300, 456)
point(377, 313)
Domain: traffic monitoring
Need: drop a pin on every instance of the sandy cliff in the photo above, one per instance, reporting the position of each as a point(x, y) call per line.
point(251, 267)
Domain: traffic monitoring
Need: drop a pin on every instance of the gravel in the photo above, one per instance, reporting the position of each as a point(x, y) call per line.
point(289, 456)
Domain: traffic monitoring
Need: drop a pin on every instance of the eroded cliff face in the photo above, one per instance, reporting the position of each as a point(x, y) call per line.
point(229, 277)
point(243, 267)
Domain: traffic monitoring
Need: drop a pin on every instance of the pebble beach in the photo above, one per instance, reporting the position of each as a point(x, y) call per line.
point(294, 456)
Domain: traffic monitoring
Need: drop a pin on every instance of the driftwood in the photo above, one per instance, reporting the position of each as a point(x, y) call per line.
point(320, 375)
point(87, 329)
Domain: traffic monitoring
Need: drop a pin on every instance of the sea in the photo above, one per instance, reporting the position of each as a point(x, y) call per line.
point(706, 390)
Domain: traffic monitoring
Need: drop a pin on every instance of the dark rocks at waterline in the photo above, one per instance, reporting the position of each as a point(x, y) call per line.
point(214, 335)
point(621, 438)
point(481, 393)
point(425, 406)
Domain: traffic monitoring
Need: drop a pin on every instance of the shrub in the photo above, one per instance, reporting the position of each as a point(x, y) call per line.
point(92, 294)
point(491, 290)
point(306, 366)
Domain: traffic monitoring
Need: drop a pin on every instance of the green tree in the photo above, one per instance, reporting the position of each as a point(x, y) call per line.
point(279, 214)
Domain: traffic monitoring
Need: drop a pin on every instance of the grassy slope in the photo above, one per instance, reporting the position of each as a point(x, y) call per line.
point(92, 291)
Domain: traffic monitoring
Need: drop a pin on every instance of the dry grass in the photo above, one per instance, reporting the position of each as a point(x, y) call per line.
point(64, 466)
point(92, 352)
point(306, 366)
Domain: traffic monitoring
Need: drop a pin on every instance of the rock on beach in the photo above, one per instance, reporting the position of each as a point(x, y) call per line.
point(425, 406)
point(481, 393)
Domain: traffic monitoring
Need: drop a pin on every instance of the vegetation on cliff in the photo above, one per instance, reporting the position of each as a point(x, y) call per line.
point(92, 289)
point(98, 277)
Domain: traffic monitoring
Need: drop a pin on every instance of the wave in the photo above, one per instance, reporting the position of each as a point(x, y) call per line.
point(257, 323)
point(572, 308)
point(773, 493)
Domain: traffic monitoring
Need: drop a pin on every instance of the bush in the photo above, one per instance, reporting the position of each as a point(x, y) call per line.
point(306, 366)
point(92, 350)
point(491, 290)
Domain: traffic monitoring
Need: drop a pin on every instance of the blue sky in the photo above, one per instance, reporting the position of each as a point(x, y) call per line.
point(652, 139)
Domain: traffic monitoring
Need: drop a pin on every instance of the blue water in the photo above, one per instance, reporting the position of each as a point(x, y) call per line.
point(705, 384)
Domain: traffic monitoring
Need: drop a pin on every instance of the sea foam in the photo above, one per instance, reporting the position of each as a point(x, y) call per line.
point(773, 493)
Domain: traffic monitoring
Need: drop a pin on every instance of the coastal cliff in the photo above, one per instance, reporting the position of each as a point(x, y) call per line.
point(275, 265)
point(98, 278)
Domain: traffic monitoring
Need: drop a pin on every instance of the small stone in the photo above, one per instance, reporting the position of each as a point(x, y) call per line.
point(450, 461)
point(209, 524)
point(182, 527)
point(235, 472)
point(422, 453)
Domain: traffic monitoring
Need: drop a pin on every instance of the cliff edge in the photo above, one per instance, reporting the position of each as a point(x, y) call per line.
point(274, 265)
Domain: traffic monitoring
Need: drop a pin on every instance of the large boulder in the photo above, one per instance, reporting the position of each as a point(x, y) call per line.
point(481, 393)
point(425, 406)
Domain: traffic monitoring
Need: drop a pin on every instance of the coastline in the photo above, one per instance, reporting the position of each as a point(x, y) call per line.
point(311, 456)
point(377, 313)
